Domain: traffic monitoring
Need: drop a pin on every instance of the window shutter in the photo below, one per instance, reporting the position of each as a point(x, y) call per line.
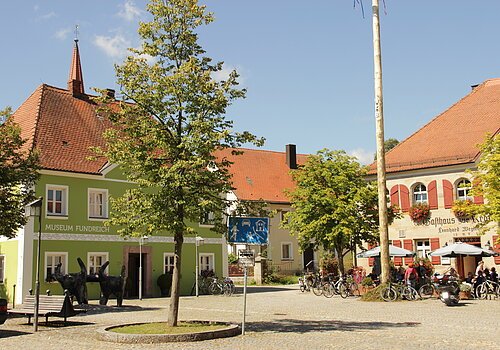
point(408, 244)
point(448, 194)
point(398, 261)
point(496, 248)
point(432, 195)
point(395, 195)
point(371, 261)
point(478, 200)
point(405, 198)
point(436, 260)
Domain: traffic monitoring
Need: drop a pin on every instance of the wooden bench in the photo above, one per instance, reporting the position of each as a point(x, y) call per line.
point(48, 306)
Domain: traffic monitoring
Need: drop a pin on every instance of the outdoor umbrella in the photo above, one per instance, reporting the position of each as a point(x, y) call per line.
point(393, 251)
point(461, 248)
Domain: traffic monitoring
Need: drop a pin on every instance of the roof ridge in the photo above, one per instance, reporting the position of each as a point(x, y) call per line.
point(265, 150)
point(37, 116)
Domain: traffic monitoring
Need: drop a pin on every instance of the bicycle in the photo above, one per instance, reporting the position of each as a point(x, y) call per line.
point(349, 287)
point(395, 290)
point(486, 288)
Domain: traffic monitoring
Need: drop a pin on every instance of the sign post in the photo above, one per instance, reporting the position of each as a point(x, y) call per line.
point(246, 258)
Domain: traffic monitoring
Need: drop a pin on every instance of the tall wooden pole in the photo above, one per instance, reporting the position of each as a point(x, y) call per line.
point(379, 120)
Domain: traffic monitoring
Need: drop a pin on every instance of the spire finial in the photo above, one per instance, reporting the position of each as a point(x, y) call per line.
point(76, 33)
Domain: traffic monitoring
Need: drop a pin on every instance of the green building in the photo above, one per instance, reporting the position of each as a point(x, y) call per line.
point(62, 124)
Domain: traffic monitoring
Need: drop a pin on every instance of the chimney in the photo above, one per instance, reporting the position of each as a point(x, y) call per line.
point(291, 156)
point(110, 93)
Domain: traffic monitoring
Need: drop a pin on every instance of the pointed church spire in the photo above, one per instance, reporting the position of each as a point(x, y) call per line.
point(75, 81)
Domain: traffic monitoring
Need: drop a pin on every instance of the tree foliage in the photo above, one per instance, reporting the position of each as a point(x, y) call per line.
point(335, 208)
point(388, 145)
point(18, 173)
point(169, 128)
point(487, 183)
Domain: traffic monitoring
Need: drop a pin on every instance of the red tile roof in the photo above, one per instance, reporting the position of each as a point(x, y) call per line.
point(62, 127)
point(260, 174)
point(452, 137)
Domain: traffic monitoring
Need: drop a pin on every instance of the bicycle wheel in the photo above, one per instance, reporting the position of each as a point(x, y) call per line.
point(354, 289)
point(317, 289)
point(409, 293)
point(215, 288)
point(343, 291)
point(426, 291)
point(483, 290)
point(228, 289)
point(328, 290)
point(388, 294)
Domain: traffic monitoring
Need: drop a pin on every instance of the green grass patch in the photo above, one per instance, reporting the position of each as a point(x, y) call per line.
point(164, 328)
point(374, 294)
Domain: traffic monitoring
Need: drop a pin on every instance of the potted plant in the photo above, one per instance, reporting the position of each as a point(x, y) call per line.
point(420, 212)
point(465, 290)
point(164, 282)
point(463, 209)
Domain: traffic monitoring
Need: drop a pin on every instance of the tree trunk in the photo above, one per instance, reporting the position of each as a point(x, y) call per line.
point(379, 117)
point(340, 258)
point(173, 311)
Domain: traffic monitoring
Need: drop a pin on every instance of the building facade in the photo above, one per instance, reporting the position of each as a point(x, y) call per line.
point(433, 166)
point(62, 124)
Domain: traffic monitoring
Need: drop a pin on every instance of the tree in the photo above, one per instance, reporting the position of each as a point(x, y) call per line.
point(388, 145)
point(168, 130)
point(335, 208)
point(5, 114)
point(487, 182)
point(18, 173)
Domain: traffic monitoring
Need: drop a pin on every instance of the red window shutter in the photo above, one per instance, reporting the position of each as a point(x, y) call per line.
point(371, 261)
point(478, 200)
point(448, 194)
point(405, 197)
point(408, 244)
point(496, 248)
point(432, 195)
point(436, 260)
point(395, 195)
point(398, 261)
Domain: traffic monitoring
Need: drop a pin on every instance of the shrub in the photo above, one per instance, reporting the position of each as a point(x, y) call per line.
point(366, 282)
point(232, 259)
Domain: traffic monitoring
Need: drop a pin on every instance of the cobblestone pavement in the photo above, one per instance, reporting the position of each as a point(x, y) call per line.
point(283, 318)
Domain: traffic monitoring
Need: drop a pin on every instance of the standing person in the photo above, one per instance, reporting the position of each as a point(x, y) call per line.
point(480, 268)
point(411, 275)
point(422, 270)
point(493, 275)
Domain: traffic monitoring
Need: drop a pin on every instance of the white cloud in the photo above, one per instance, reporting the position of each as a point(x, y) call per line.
point(62, 34)
point(223, 74)
point(36, 8)
point(364, 157)
point(47, 16)
point(115, 47)
point(129, 11)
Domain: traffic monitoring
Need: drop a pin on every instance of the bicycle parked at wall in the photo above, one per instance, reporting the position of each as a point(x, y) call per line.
point(486, 288)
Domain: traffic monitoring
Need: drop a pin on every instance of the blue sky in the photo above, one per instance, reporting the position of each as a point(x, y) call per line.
point(307, 65)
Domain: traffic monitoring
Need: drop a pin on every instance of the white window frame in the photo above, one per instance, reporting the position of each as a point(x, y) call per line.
point(211, 262)
point(420, 192)
point(104, 192)
point(290, 250)
point(64, 201)
point(466, 190)
point(165, 265)
point(53, 267)
point(426, 249)
point(90, 265)
point(2, 268)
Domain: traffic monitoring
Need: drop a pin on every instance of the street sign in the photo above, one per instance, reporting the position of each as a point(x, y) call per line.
point(246, 257)
point(248, 230)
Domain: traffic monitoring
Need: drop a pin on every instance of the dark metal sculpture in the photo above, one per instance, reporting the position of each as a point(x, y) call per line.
point(75, 283)
point(111, 285)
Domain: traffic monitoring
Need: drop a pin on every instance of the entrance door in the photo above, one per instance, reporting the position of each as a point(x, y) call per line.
point(132, 286)
point(308, 258)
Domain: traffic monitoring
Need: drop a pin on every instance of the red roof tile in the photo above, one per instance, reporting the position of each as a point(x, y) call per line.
point(62, 127)
point(260, 174)
point(452, 137)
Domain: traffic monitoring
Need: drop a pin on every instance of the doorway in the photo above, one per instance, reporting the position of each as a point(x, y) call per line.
point(308, 258)
point(132, 286)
